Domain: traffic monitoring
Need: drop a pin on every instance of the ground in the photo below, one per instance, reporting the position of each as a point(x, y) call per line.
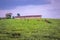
point(29, 29)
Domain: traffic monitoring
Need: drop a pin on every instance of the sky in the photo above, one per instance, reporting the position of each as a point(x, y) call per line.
point(46, 8)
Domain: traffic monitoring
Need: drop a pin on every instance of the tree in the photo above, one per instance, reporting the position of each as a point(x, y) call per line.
point(8, 15)
point(13, 17)
point(0, 18)
point(18, 14)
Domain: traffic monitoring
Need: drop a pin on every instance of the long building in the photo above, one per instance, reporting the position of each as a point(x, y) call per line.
point(28, 17)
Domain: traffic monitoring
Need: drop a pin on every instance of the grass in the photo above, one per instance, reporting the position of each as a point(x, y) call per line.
point(30, 29)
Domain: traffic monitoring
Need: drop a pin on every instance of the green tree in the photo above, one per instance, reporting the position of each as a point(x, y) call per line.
point(0, 18)
point(8, 15)
point(13, 17)
point(18, 14)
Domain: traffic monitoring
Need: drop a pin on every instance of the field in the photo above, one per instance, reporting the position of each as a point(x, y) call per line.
point(29, 29)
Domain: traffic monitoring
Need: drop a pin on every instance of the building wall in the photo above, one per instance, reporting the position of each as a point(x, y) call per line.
point(29, 18)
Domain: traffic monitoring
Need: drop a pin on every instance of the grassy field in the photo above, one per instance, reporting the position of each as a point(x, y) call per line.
point(29, 29)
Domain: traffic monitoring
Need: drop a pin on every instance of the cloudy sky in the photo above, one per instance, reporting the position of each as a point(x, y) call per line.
point(46, 8)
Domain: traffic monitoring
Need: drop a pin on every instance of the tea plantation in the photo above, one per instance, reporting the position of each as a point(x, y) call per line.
point(29, 29)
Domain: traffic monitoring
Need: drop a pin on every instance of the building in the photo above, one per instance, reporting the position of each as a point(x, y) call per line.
point(28, 17)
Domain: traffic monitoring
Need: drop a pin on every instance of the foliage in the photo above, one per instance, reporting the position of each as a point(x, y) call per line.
point(18, 14)
point(0, 18)
point(13, 17)
point(8, 15)
point(30, 29)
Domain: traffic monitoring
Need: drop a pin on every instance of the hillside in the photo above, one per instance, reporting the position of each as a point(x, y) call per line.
point(29, 29)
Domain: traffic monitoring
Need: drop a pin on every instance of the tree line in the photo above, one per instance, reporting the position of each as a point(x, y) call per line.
point(9, 16)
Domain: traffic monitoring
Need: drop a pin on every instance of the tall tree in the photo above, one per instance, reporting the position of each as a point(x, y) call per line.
point(8, 15)
point(18, 14)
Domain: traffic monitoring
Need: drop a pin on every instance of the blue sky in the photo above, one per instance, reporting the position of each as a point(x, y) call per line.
point(8, 4)
point(46, 8)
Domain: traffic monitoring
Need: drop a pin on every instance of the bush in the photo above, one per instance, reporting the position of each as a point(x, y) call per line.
point(0, 18)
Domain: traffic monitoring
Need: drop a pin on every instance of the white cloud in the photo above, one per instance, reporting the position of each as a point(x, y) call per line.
point(49, 10)
point(29, 10)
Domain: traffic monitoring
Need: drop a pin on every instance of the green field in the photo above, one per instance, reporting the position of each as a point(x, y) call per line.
point(29, 29)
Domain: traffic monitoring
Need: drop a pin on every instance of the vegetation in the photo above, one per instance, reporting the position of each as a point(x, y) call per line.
point(0, 18)
point(13, 17)
point(29, 29)
point(18, 14)
point(8, 15)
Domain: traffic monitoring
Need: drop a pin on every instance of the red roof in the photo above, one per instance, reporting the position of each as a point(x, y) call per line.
point(28, 16)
